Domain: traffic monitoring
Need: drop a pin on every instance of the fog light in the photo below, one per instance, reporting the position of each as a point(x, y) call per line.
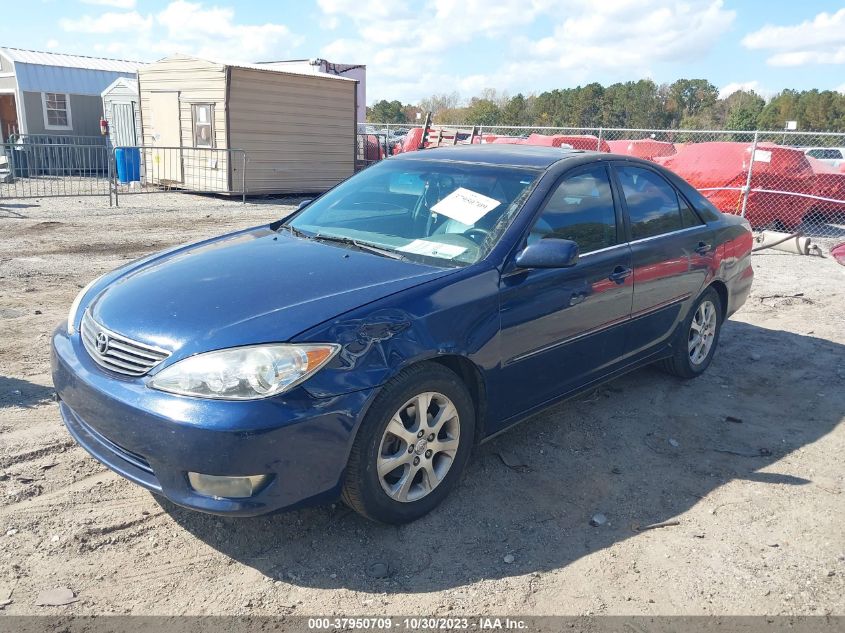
point(232, 487)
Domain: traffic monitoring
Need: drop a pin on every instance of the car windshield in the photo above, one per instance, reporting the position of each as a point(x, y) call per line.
point(444, 213)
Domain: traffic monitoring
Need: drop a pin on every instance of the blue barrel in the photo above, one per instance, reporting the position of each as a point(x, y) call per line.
point(128, 162)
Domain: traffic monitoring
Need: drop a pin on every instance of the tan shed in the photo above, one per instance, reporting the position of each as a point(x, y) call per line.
point(297, 130)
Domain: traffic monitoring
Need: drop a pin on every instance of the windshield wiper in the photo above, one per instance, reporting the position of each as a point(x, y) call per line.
point(293, 230)
point(364, 246)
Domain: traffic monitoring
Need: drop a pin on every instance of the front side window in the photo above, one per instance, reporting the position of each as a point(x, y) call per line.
point(56, 110)
point(436, 212)
point(654, 207)
point(580, 209)
point(203, 115)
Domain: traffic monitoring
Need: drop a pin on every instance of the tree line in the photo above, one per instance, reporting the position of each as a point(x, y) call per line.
point(686, 103)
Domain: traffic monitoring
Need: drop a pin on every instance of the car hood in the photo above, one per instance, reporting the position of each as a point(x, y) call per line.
point(256, 286)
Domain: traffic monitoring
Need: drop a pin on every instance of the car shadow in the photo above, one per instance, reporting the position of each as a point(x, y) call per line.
point(15, 392)
point(640, 450)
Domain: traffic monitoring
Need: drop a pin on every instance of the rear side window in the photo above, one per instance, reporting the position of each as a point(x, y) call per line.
point(580, 209)
point(654, 206)
point(825, 154)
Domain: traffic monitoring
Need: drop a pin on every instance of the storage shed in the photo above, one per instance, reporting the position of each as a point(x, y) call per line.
point(55, 97)
point(298, 130)
point(122, 110)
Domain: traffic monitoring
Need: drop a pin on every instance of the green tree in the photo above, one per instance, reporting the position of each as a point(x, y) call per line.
point(386, 112)
point(690, 99)
point(482, 112)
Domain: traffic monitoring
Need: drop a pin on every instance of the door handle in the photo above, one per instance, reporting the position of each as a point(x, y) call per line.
point(620, 274)
point(702, 248)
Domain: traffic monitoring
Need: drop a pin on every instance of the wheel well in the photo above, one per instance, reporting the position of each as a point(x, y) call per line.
point(722, 290)
point(470, 375)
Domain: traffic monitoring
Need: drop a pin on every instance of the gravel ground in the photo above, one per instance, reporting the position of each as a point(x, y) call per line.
point(745, 462)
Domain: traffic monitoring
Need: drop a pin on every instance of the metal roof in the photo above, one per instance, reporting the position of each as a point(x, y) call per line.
point(41, 58)
point(36, 71)
point(260, 66)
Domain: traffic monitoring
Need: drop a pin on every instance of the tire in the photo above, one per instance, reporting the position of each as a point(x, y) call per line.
point(684, 363)
point(432, 465)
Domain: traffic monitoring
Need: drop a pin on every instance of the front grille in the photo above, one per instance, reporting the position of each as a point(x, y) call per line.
point(118, 353)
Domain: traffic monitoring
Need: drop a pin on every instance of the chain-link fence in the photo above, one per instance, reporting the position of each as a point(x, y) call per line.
point(786, 181)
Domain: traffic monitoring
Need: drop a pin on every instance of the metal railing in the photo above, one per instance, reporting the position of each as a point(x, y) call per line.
point(772, 178)
point(30, 169)
point(151, 169)
point(36, 170)
point(370, 147)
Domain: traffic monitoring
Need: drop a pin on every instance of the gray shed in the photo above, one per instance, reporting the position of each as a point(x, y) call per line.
point(121, 108)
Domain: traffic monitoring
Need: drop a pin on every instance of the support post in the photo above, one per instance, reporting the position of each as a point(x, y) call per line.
point(747, 189)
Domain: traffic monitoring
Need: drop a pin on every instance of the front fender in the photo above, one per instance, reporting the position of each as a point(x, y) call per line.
point(453, 316)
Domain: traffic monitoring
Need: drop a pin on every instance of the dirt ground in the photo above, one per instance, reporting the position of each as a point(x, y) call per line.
point(747, 460)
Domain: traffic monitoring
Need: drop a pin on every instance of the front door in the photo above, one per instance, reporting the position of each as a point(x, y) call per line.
point(124, 124)
point(166, 159)
point(561, 328)
point(8, 117)
point(672, 251)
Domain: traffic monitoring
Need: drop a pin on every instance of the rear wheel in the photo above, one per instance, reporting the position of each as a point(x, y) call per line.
point(697, 338)
point(412, 445)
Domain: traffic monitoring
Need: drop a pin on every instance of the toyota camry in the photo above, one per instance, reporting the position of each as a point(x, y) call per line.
point(362, 346)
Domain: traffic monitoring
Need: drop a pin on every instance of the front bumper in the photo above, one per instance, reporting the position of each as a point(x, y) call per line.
point(154, 439)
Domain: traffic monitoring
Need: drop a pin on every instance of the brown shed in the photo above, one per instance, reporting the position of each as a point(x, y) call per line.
point(297, 130)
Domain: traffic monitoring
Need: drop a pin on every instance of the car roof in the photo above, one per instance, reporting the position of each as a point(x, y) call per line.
point(534, 156)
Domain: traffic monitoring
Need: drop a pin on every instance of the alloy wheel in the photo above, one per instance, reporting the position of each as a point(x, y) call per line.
point(702, 332)
point(418, 447)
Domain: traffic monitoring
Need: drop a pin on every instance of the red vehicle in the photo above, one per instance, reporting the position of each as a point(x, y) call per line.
point(720, 171)
point(575, 141)
point(828, 183)
point(642, 148)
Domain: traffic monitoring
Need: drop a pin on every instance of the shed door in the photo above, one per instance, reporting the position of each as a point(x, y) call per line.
point(123, 115)
point(166, 161)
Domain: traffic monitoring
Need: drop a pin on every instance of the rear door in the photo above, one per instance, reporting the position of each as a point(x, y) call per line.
point(672, 251)
point(562, 327)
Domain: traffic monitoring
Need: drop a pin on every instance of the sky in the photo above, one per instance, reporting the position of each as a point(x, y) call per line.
point(415, 49)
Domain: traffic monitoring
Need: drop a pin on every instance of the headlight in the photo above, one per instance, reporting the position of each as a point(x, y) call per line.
point(244, 373)
point(74, 307)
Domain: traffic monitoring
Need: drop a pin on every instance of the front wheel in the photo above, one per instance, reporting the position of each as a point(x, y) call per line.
point(412, 445)
point(697, 339)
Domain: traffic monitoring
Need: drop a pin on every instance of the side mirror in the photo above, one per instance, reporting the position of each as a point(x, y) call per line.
point(548, 253)
point(303, 204)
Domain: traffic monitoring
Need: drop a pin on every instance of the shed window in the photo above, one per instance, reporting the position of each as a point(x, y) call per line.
point(56, 110)
point(203, 114)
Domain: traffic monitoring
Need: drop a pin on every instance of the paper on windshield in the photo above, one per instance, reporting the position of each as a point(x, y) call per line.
point(432, 249)
point(465, 206)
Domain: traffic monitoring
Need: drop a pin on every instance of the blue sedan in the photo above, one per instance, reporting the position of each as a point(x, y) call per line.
point(363, 346)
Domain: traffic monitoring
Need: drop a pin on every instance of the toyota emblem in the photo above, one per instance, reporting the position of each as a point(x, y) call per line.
point(102, 343)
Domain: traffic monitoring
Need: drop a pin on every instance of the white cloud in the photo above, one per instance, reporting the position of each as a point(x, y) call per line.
point(747, 86)
point(632, 34)
point(51, 44)
point(841, 89)
point(408, 55)
point(117, 4)
point(109, 22)
point(817, 41)
point(187, 27)
point(212, 32)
